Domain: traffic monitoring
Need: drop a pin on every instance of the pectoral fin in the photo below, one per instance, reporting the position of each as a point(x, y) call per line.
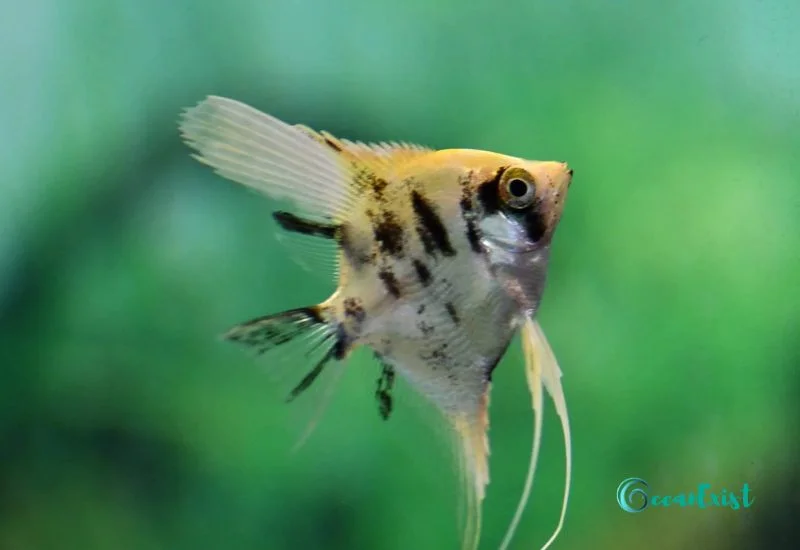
point(541, 369)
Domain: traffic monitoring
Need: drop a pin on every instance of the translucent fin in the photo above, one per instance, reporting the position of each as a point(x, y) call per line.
point(311, 244)
point(307, 325)
point(386, 154)
point(379, 156)
point(541, 370)
point(318, 257)
point(474, 461)
point(533, 373)
point(270, 156)
point(322, 406)
point(551, 377)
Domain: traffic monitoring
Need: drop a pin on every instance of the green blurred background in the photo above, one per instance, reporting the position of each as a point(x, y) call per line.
point(672, 304)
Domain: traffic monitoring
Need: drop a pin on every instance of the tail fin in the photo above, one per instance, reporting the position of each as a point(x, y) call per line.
point(310, 325)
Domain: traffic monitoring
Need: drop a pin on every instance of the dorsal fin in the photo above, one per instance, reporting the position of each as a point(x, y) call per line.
point(386, 153)
point(380, 157)
point(282, 161)
point(270, 156)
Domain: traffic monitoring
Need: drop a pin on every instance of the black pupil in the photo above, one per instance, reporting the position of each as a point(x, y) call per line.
point(518, 188)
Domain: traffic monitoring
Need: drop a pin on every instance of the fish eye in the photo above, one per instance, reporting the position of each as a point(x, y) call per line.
point(518, 190)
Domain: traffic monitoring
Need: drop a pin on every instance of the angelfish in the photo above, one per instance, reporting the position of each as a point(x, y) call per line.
point(442, 258)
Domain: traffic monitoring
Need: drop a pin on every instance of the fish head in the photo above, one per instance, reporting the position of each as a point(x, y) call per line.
point(519, 210)
point(522, 204)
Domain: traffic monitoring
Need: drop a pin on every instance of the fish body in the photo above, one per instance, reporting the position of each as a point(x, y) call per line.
point(423, 285)
point(442, 255)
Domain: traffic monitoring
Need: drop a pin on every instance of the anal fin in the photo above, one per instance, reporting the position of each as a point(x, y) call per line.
point(471, 429)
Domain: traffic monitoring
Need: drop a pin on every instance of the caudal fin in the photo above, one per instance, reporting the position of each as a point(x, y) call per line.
point(310, 326)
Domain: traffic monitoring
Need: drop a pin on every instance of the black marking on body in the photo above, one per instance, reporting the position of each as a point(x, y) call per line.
point(341, 345)
point(425, 328)
point(437, 358)
point(451, 311)
point(378, 185)
point(535, 226)
point(365, 180)
point(354, 309)
point(489, 193)
point(466, 193)
point(432, 231)
point(473, 234)
point(421, 309)
point(474, 238)
point(423, 273)
point(361, 176)
point(390, 282)
point(383, 391)
point(427, 242)
point(388, 233)
point(296, 224)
